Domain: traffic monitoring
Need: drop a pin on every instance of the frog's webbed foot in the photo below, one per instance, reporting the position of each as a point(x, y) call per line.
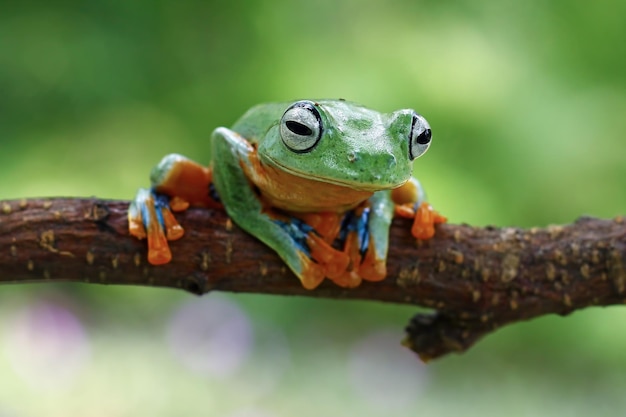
point(351, 259)
point(177, 182)
point(355, 236)
point(424, 219)
point(318, 258)
point(332, 263)
point(149, 216)
point(410, 203)
point(338, 266)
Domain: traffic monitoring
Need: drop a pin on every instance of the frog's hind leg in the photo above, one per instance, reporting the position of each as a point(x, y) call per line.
point(244, 206)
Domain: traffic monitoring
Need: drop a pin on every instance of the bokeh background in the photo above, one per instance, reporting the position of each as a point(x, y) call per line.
point(527, 101)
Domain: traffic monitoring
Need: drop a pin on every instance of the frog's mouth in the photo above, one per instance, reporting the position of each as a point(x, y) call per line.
point(370, 182)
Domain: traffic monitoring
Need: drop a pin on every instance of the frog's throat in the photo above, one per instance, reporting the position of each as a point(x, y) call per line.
point(355, 185)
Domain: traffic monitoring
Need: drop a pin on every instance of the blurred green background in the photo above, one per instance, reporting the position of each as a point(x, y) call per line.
point(527, 101)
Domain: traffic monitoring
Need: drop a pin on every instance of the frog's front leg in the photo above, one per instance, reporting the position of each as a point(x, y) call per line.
point(407, 201)
point(176, 182)
point(410, 203)
point(232, 153)
point(368, 236)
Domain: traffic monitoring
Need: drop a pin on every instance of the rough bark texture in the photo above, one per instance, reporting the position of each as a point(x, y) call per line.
point(476, 279)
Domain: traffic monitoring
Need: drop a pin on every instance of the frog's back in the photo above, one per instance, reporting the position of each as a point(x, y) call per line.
point(255, 123)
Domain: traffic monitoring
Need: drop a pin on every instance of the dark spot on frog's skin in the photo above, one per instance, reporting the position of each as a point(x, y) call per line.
point(342, 99)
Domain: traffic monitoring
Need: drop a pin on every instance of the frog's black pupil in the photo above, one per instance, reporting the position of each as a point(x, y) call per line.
point(424, 137)
point(298, 128)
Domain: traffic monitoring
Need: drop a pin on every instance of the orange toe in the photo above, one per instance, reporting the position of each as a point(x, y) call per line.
point(332, 261)
point(405, 210)
point(425, 220)
point(372, 269)
point(136, 228)
point(178, 204)
point(159, 257)
point(350, 275)
point(349, 279)
point(158, 250)
point(439, 218)
point(173, 230)
point(312, 274)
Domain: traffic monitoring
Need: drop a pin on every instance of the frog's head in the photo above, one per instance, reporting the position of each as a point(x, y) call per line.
point(342, 143)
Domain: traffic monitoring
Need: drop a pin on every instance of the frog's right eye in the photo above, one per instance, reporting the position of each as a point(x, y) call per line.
point(419, 138)
point(301, 127)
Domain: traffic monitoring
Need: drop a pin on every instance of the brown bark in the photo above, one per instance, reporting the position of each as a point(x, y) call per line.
point(475, 279)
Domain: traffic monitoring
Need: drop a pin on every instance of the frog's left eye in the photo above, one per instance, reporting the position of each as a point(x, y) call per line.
point(301, 127)
point(419, 139)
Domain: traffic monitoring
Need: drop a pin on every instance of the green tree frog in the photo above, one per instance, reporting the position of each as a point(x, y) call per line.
point(317, 181)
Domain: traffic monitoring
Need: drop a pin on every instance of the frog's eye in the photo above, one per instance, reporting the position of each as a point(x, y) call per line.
point(419, 139)
point(301, 127)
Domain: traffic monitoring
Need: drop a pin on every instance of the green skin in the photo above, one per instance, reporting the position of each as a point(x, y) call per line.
point(357, 148)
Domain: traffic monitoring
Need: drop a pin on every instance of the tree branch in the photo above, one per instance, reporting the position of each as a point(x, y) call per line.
point(476, 279)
